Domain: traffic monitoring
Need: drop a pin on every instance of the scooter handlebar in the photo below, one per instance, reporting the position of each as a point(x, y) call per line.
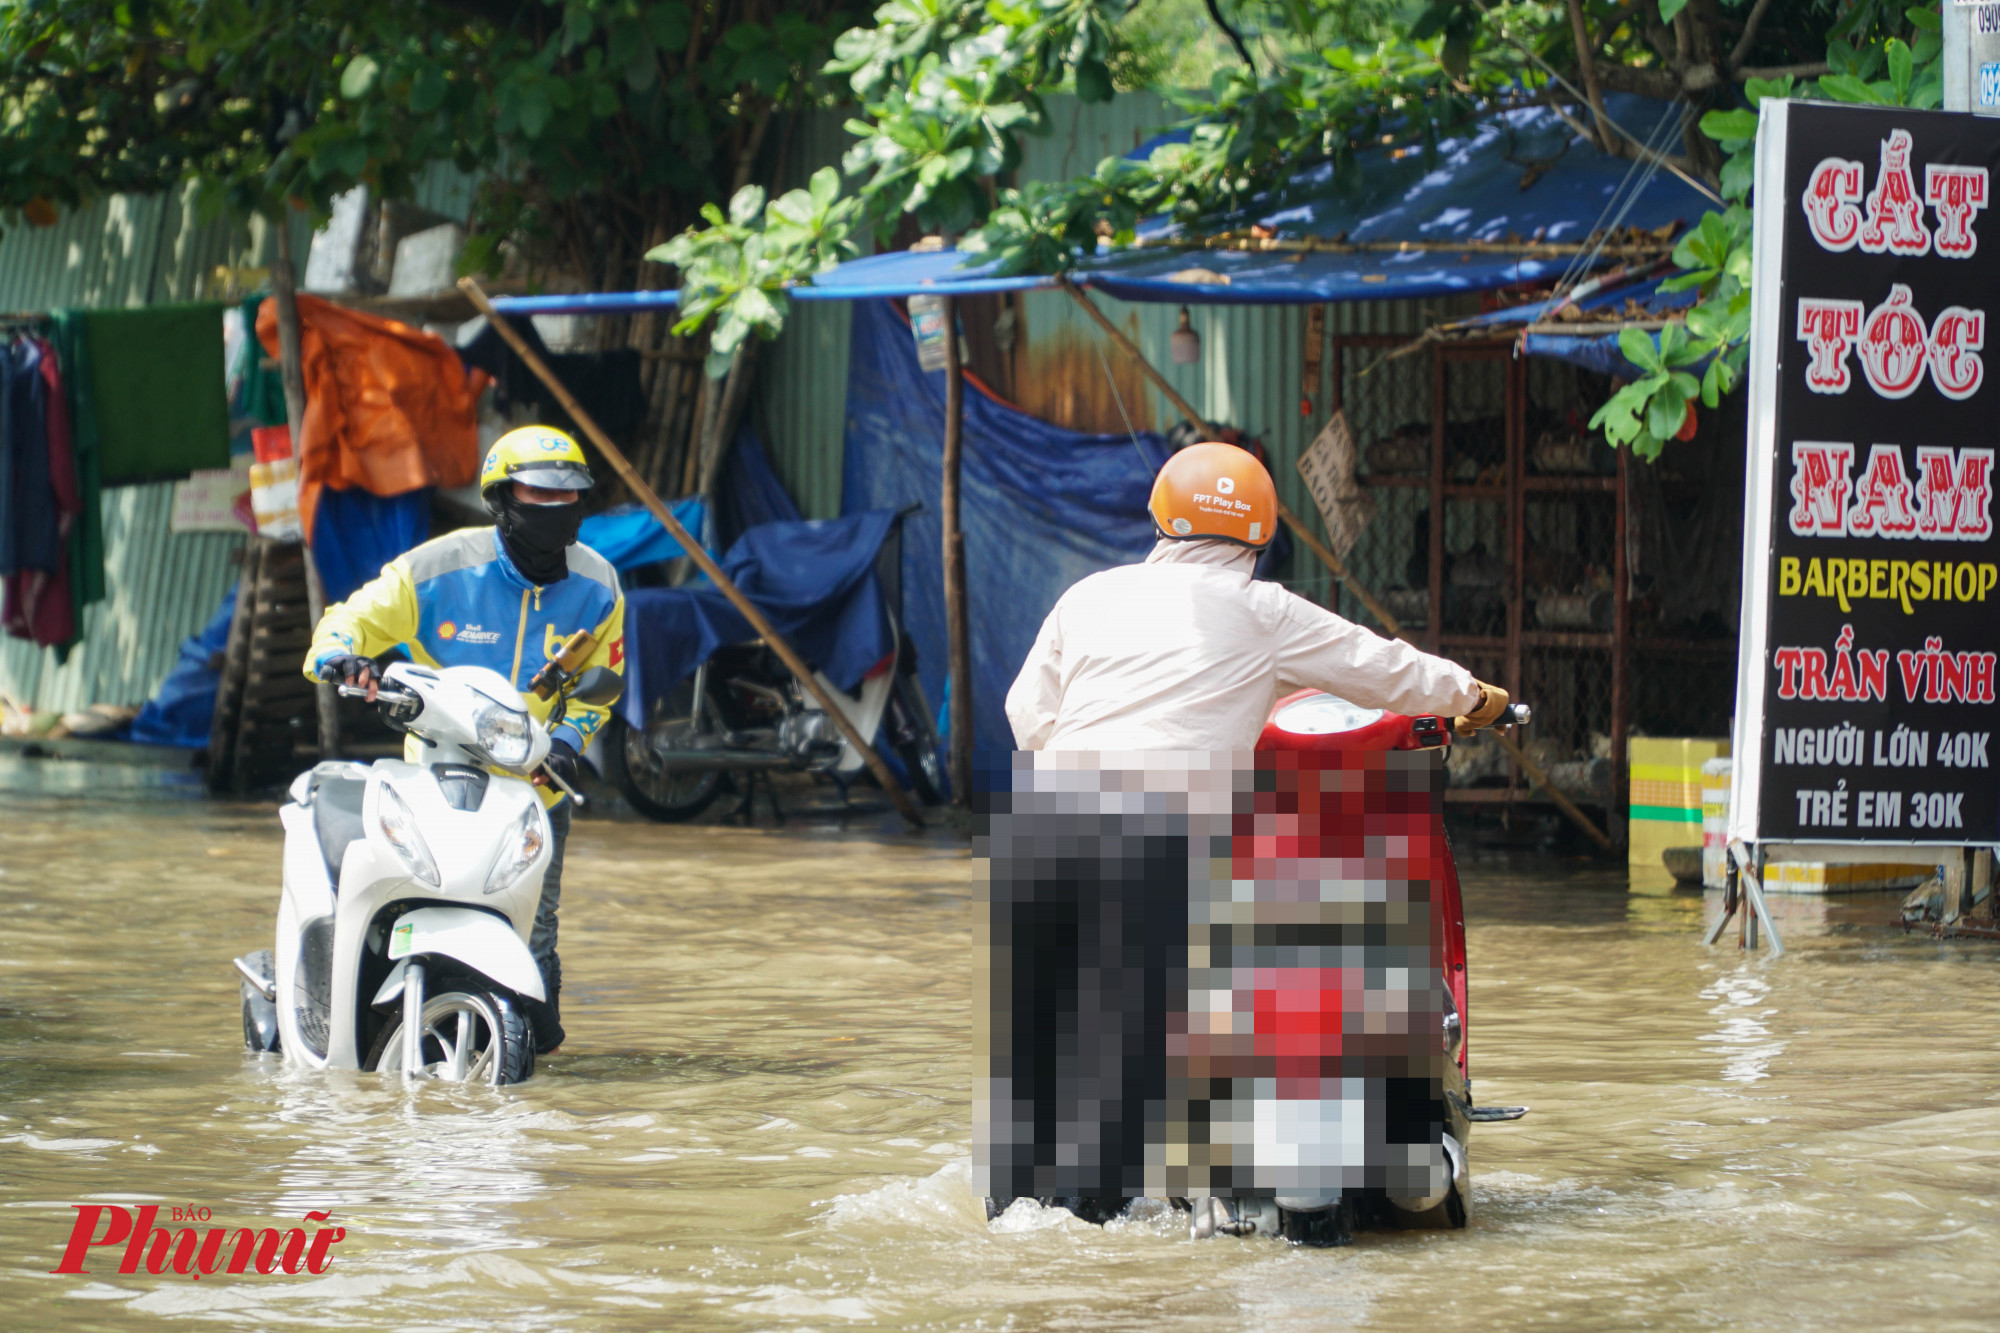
point(383, 694)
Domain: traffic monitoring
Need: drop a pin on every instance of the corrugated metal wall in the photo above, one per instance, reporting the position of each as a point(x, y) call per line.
point(160, 586)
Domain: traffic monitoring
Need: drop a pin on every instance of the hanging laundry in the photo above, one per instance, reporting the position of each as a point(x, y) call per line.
point(260, 389)
point(358, 533)
point(605, 384)
point(388, 408)
point(84, 544)
point(35, 601)
point(155, 384)
point(29, 539)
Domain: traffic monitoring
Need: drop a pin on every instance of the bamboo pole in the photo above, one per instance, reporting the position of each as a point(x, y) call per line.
point(650, 498)
point(958, 626)
point(1534, 771)
point(291, 370)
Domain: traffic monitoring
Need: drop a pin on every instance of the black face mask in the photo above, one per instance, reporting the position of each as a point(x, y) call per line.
point(538, 537)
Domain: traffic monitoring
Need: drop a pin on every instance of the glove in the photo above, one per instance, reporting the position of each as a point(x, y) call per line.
point(561, 761)
point(1492, 703)
point(346, 666)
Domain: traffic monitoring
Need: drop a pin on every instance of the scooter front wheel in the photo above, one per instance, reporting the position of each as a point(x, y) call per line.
point(469, 1037)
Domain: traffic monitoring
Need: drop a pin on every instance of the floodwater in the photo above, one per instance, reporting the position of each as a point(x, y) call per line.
point(763, 1115)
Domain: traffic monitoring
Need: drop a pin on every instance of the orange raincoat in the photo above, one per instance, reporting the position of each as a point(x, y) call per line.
point(389, 408)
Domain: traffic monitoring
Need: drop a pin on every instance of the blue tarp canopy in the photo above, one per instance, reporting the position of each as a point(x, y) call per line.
point(1512, 176)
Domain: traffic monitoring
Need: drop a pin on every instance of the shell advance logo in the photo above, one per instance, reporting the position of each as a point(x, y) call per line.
point(451, 629)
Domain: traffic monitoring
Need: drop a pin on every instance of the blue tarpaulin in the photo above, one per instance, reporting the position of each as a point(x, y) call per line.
point(355, 533)
point(1519, 175)
point(180, 711)
point(631, 538)
point(814, 580)
point(1042, 506)
point(1514, 176)
point(752, 493)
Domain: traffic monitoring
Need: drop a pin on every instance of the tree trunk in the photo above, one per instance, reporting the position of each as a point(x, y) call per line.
point(958, 627)
point(291, 369)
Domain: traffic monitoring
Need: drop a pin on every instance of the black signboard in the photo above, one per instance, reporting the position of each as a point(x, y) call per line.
point(1866, 699)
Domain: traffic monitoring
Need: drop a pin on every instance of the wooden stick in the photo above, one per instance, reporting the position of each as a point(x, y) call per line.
point(1541, 779)
point(958, 625)
point(1245, 242)
point(648, 497)
point(1332, 562)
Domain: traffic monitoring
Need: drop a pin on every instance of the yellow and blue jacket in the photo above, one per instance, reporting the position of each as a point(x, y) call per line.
point(459, 601)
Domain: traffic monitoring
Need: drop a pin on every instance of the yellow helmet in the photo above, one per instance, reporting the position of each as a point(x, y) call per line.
point(536, 456)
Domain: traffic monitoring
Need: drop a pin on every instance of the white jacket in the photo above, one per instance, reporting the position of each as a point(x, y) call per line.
point(1188, 652)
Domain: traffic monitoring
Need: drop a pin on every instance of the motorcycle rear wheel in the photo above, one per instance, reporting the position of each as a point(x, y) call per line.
point(667, 796)
point(470, 1036)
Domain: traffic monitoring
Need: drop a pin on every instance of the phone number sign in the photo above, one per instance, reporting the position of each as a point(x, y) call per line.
point(1866, 697)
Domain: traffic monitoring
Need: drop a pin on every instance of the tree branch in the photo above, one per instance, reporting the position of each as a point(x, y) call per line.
point(1657, 83)
point(1586, 63)
point(1810, 70)
point(1750, 27)
point(1235, 37)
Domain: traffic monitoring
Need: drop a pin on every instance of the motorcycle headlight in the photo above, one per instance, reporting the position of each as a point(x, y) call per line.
point(399, 827)
point(522, 843)
point(503, 734)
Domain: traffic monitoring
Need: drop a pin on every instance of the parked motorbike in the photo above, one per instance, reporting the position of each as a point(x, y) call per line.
point(743, 713)
point(410, 889)
point(1313, 720)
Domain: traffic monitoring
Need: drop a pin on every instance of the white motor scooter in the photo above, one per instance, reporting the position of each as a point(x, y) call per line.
point(410, 889)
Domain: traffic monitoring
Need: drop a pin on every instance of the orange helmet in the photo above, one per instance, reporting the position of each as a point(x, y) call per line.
point(1215, 492)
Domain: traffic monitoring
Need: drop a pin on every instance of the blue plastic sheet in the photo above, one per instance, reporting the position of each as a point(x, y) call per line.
point(355, 533)
point(1510, 176)
point(751, 493)
point(1042, 507)
point(814, 580)
point(630, 537)
point(180, 711)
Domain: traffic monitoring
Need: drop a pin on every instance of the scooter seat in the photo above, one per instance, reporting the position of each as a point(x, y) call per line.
point(336, 807)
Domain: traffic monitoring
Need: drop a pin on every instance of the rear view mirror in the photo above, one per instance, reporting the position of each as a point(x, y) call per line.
point(599, 687)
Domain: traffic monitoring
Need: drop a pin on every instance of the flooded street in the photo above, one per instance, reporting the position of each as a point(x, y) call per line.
point(762, 1118)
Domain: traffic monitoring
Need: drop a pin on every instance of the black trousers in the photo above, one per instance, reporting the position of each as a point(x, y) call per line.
point(546, 1015)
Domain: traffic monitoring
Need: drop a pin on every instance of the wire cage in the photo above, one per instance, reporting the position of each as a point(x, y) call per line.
point(1498, 541)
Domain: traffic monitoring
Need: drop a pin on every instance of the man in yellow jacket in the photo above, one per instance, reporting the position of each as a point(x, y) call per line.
point(505, 597)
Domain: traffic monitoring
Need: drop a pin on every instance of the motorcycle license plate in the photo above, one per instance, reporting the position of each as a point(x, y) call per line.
point(402, 940)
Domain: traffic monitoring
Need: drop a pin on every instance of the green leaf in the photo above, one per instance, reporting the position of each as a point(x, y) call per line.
point(1666, 412)
point(1739, 173)
point(1669, 8)
point(1845, 88)
point(427, 90)
point(746, 204)
point(532, 109)
point(1901, 64)
point(358, 79)
point(1756, 90)
point(1640, 350)
point(1721, 125)
point(1924, 18)
point(1093, 82)
point(825, 187)
point(669, 25)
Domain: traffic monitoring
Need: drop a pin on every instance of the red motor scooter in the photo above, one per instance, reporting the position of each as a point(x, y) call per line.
point(1355, 808)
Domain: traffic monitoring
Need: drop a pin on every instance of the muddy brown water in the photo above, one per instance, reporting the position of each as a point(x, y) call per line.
point(762, 1120)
